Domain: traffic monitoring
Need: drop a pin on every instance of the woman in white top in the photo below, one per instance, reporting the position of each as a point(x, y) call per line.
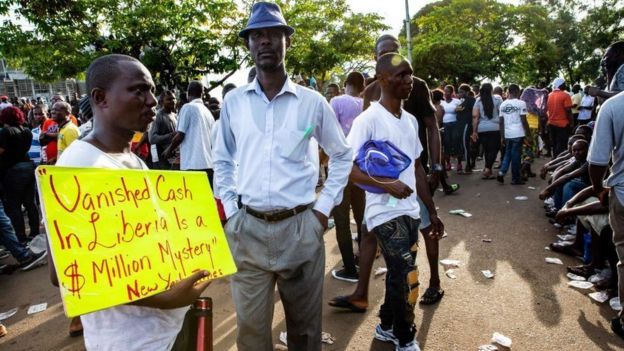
point(485, 126)
point(449, 121)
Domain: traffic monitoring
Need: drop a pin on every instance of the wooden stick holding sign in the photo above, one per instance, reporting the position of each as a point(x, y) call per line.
point(118, 236)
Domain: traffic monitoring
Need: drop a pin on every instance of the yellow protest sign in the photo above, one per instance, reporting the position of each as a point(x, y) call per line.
point(121, 235)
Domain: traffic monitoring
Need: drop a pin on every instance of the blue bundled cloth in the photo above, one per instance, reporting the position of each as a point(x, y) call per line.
point(381, 159)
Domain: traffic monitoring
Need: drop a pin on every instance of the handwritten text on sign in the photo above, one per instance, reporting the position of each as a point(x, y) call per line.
point(120, 235)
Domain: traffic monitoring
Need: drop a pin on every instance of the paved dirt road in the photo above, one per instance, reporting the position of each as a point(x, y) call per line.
point(528, 300)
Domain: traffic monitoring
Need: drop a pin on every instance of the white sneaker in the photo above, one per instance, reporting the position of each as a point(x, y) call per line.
point(412, 346)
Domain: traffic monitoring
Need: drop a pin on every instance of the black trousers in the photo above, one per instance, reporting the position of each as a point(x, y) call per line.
point(559, 139)
point(491, 145)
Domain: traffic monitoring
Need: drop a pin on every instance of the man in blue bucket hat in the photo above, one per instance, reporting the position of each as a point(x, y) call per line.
point(275, 231)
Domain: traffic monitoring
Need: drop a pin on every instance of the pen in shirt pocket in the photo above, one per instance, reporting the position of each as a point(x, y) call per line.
point(306, 134)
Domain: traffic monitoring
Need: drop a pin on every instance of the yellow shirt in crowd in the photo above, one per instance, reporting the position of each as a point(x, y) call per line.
point(67, 135)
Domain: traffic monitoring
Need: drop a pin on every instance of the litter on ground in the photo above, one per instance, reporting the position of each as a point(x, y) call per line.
point(37, 308)
point(8, 314)
point(580, 285)
point(450, 263)
point(553, 260)
point(488, 274)
point(599, 296)
point(573, 276)
point(381, 271)
point(460, 212)
point(501, 339)
point(327, 338)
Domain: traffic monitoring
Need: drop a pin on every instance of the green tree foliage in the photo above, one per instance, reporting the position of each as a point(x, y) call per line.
point(467, 40)
point(461, 40)
point(177, 40)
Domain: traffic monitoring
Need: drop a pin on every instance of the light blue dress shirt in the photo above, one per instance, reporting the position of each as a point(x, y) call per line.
point(270, 141)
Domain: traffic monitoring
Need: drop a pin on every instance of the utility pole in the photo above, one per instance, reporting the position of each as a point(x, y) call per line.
point(408, 32)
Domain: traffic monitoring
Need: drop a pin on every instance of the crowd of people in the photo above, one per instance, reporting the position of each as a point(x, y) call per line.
point(584, 196)
point(387, 143)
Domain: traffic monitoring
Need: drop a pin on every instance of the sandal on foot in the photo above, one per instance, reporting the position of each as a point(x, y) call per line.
point(582, 270)
point(431, 296)
point(605, 284)
point(75, 327)
point(343, 302)
point(564, 249)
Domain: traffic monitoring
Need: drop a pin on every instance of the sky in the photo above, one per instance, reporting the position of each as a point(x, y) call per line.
point(393, 12)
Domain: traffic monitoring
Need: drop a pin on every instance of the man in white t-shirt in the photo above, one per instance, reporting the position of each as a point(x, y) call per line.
point(514, 127)
point(394, 216)
point(586, 107)
point(194, 125)
point(121, 93)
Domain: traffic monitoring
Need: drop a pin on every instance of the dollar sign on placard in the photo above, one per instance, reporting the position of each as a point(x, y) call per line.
point(77, 279)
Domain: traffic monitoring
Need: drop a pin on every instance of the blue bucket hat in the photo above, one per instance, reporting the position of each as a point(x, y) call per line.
point(266, 15)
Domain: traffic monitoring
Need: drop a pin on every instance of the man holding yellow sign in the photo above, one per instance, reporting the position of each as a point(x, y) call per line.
point(133, 239)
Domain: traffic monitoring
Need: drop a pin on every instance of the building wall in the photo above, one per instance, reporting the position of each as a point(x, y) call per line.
point(16, 83)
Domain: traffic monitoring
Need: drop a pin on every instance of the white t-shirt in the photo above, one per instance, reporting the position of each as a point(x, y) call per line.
point(449, 110)
point(587, 101)
point(376, 123)
point(124, 327)
point(510, 111)
point(195, 121)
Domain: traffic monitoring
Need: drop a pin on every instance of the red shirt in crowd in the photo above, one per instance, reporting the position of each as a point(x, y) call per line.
point(558, 102)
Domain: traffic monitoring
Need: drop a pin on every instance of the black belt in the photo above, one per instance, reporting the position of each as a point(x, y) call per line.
point(276, 216)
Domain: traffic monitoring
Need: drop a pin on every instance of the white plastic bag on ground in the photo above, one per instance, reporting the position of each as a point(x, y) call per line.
point(37, 308)
point(580, 285)
point(8, 314)
point(381, 271)
point(553, 260)
point(599, 296)
point(501, 339)
point(449, 262)
point(327, 338)
point(573, 276)
point(488, 274)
